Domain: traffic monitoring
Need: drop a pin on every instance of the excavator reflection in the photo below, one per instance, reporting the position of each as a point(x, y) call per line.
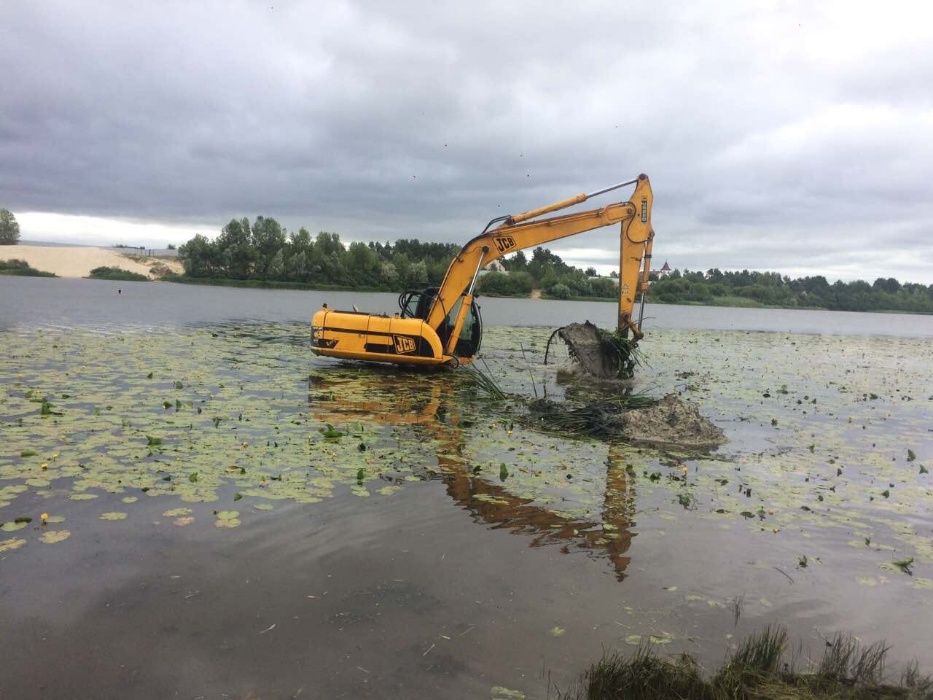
point(429, 408)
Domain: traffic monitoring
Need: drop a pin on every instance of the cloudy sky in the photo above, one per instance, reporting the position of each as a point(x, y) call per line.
point(793, 136)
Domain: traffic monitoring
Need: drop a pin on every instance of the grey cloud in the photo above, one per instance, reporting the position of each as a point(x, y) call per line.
point(382, 120)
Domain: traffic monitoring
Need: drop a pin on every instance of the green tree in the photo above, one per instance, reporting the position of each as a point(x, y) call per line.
point(363, 264)
point(603, 287)
point(236, 249)
point(388, 274)
point(9, 228)
point(299, 256)
point(417, 275)
point(200, 257)
point(505, 285)
point(268, 239)
point(328, 255)
point(890, 285)
point(516, 263)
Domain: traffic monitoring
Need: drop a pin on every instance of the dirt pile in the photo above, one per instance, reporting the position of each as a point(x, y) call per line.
point(600, 401)
point(671, 421)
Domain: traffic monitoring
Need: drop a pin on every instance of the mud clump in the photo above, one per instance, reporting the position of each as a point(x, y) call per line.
point(600, 401)
point(671, 421)
point(586, 347)
point(597, 352)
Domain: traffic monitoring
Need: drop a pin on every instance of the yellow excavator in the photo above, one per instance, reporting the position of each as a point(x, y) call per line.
point(442, 325)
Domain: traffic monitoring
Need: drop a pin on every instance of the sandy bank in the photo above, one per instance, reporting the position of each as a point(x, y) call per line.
point(78, 261)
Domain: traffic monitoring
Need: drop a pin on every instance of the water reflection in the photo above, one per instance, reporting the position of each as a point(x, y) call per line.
point(443, 410)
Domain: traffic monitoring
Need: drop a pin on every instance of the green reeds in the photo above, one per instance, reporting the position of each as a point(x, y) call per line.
point(623, 348)
point(597, 418)
point(485, 382)
point(757, 669)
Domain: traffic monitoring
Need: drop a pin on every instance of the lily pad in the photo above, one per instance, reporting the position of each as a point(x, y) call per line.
point(227, 518)
point(54, 536)
point(176, 512)
point(11, 544)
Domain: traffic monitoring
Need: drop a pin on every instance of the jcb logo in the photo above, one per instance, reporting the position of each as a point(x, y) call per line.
point(404, 345)
point(504, 243)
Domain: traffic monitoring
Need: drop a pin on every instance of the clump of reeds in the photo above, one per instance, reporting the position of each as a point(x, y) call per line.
point(597, 418)
point(757, 669)
point(624, 348)
point(485, 382)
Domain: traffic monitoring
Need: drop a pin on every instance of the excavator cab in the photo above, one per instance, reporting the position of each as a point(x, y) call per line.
point(471, 332)
point(417, 304)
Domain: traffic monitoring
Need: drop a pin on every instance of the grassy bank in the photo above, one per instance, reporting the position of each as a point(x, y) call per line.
point(269, 284)
point(116, 273)
point(758, 669)
point(21, 268)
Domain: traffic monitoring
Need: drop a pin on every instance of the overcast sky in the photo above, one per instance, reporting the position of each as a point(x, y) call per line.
point(792, 136)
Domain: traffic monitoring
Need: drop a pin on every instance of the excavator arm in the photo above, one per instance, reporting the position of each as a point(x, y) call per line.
point(526, 230)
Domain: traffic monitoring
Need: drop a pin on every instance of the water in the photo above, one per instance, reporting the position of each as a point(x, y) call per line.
point(69, 302)
point(411, 568)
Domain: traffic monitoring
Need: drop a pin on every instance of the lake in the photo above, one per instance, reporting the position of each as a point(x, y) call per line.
point(70, 302)
point(229, 516)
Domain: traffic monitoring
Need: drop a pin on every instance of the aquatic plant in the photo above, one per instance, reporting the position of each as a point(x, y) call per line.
point(757, 669)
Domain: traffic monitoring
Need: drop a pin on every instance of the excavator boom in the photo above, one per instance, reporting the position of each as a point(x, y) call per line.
point(444, 328)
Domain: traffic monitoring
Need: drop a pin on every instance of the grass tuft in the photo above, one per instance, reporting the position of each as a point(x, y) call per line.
point(644, 675)
point(485, 382)
point(754, 662)
point(757, 669)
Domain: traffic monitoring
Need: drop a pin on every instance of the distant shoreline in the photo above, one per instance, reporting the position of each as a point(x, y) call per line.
point(536, 295)
point(300, 286)
point(78, 261)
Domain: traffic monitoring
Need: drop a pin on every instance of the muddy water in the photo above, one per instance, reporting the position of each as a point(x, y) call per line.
point(229, 517)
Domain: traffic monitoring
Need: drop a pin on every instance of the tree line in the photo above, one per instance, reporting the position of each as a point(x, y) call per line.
point(264, 252)
point(747, 288)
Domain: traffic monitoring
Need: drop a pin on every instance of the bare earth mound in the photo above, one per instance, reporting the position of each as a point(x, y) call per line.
point(671, 421)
